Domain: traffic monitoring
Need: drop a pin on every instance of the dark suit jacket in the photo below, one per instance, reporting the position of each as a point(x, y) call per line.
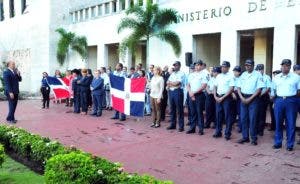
point(84, 84)
point(11, 82)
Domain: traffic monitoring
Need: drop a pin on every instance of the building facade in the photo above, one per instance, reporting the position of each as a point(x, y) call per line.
point(215, 30)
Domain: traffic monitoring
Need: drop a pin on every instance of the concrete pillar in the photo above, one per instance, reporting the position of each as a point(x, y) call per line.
point(111, 7)
point(103, 9)
point(102, 55)
point(145, 3)
point(18, 7)
point(230, 45)
point(118, 6)
point(260, 47)
point(74, 17)
point(126, 59)
point(284, 44)
point(136, 2)
point(6, 9)
point(127, 4)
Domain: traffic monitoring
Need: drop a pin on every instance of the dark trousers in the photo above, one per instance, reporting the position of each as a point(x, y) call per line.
point(249, 119)
point(46, 96)
point(103, 99)
point(77, 102)
point(224, 113)
point(12, 105)
point(97, 104)
point(84, 101)
point(285, 109)
point(188, 104)
point(210, 109)
point(262, 113)
point(273, 124)
point(236, 111)
point(197, 107)
point(163, 105)
point(176, 106)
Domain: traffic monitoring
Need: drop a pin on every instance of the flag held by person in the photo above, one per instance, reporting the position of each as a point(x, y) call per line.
point(58, 87)
point(128, 95)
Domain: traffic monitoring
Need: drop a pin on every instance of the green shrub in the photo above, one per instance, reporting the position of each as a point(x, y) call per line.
point(1, 155)
point(75, 168)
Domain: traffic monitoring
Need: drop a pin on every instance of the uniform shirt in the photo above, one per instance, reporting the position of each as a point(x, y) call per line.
point(178, 76)
point(196, 80)
point(267, 82)
point(286, 85)
point(211, 83)
point(223, 83)
point(250, 82)
point(236, 82)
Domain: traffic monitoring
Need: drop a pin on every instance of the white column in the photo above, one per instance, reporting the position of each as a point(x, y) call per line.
point(145, 3)
point(111, 7)
point(284, 44)
point(103, 9)
point(136, 2)
point(118, 6)
point(127, 4)
point(230, 46)
point(102, 55)
point(6, 9)
point(73, 17)
point(18, 7)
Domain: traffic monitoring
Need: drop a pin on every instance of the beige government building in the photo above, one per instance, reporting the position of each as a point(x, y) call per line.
point(214, 30)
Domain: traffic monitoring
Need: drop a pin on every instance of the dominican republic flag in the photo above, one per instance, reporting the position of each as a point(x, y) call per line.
point(59, 88)
point(128, 95)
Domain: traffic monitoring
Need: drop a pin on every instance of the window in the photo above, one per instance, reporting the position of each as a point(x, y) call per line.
point(81, 15)
point(107, 8)
point(76, 17)
point(1, 11)
point(23, 6)
point(11, 8)
point(114, 4)
point(93, 11)
point(122, 5)
point(99, 10)
point(86, 14)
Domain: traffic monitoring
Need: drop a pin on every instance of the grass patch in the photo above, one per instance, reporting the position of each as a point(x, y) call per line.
point(13, 172)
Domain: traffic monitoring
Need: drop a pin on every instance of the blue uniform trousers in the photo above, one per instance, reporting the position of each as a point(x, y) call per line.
point(262, 112)
point(188, 102)
point(210, 109)
point(224, 113)
point(249, 119)
point(176, 105)
point(197, 107)
point(77, 102)
point(285, 109)
point(97, 104)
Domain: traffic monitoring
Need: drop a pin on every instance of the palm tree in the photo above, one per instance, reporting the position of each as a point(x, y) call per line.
point(146, 23)
point(69, 40)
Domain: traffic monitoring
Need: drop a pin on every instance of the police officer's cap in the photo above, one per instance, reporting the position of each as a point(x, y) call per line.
point(259, 67)
point(199, 62)
point(286, 62)
point(216, 69)
point(177, 63)
point(226, 64)
point(296, 67)
point(237, 69)
point(249, 62)
point(192, 66)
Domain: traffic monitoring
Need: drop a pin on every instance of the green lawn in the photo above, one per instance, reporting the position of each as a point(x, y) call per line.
point(13, 172)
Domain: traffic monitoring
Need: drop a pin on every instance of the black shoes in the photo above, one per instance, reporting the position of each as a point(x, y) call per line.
point(122, 119)
point(201, 132)
point(289, 149)
point(153, 125)
point(114, 118)
point(254, 143)
point(191, 131)
point(206, 126)
point(242, 141)
point(171, 128)
point(227, 138)
point(181, 130)
point(217, 135)
point(277, 146)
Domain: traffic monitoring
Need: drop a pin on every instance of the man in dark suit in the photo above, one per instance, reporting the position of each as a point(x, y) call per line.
point(11, 78)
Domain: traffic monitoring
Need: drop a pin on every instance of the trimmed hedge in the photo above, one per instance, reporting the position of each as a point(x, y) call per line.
point(67, 165)
point(1, 155)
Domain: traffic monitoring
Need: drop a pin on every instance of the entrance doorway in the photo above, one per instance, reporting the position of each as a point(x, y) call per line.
point(207, 47)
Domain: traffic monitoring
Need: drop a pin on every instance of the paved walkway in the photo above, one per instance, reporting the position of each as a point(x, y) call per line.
point(185, 159)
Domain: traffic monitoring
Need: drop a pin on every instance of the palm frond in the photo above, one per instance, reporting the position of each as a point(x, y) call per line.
point(61, 31)
point(136, 10)
point(172, 38)
point(164, 18)
point(79, 45)
point(131, 42)
point(127, 23)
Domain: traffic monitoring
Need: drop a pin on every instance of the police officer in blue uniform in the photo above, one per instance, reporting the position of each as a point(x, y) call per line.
point(210, 102)
point(196, 85)
point(76, 90)
point(249, 89)
point(188, 99)
point(175, 84)
point(236, 103)
point(286, 90)
point(223, 89)
point(264, 100)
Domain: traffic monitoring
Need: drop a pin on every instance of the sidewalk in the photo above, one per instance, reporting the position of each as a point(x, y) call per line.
point(182, 158)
